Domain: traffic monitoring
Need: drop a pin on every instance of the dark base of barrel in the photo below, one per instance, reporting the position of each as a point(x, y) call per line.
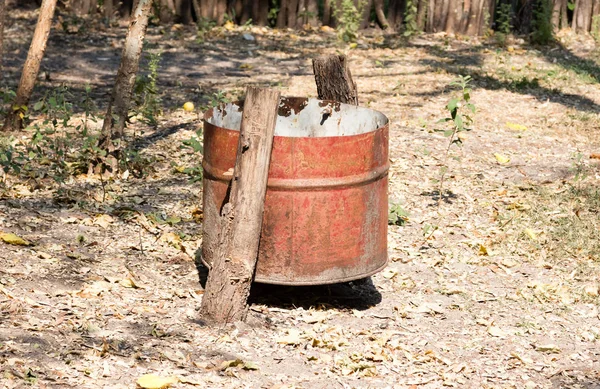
point(353, 277)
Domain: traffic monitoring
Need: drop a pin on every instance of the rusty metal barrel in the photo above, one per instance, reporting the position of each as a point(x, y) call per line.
point(326, 207)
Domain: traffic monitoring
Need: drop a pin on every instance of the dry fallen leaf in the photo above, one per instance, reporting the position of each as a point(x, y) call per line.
point(13, 239)
point(516, 127)
point(531, 234)
point(502, 159)
point(292, 337)
point(151, 381)
point(103, 220)
point(483, 250)
point(549, 348)
point(389, 273)
point(495, 331)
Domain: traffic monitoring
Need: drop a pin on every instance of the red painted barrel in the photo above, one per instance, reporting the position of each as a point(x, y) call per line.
point(326, 208)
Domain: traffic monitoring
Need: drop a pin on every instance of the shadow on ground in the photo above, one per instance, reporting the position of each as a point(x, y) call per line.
point(361, 294)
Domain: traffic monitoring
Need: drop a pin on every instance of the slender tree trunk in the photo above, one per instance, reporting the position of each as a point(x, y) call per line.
point(312, 10)
point(366, 13)
point(452, 19)
point(556, 6)
point(260, 12)
point(292, 12)
point(582, 16)
point(395, 13)
point(421, 14)
point(282, 15)
point(183, 11)
point(166, 11)
point(595, 9)
point(2, 21)
point(245, 11)
point(118, 106)
point(464, 13)
point(230, 276)
point(108, 10)
point(380, 13)
point(197, 11)
point(220, 10)
point(327, 16)
point(14, 119)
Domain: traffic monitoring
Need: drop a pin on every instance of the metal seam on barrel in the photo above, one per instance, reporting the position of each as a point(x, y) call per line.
point(308, 183)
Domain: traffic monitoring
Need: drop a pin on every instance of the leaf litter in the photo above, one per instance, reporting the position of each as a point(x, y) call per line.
point(496, 286)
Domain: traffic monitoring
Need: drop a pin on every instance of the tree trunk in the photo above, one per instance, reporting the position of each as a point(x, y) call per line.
point(166, 10)
point(292, 12)
point(197, 11)
point(327, 16)
point(118, 106)
point(421, 13)
point(260, 12)
point(366, 13)
point(595, 9)
point(282, 15)
point(220, 11)
point(582, 16)
point(14, 119)
point(230, 276)
point(395, 13)
point(183, 11)
point(453, 18)
point(108, 10)
point(380, 13)
point(312, 12)
point(438, 11)
point(334, 80)
point(2, 20)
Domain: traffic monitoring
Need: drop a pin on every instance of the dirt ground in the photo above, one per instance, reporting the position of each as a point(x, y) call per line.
point(495, 285)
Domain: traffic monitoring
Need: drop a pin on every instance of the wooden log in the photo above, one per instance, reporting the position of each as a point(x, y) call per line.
point(334, 81)
point(232, 269)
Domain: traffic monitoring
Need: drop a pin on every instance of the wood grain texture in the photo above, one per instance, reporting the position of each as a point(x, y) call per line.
point(231, 273)
point(334, 80)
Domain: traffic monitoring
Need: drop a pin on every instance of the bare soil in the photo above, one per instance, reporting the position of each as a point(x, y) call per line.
point(493, 285)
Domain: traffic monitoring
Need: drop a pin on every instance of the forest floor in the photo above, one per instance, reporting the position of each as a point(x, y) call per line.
point(494, 286)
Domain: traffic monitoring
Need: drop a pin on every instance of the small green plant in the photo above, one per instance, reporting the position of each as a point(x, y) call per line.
point(59, 145)
point(397, 215)
point(348, 16)
point(195, 143)
point(595, 30)
point(460, 110)
point(410, 19)
point(146, 94)
point(542, 23)
point(7, 96)
point(205, 26)
point(578, 167)
point(503, 23)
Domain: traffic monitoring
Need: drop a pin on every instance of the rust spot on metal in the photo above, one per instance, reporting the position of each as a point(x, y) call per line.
point(291, 105)
point(330, 103)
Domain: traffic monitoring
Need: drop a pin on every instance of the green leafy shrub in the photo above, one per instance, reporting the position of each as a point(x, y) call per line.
point(348, 17)
point(542, 23)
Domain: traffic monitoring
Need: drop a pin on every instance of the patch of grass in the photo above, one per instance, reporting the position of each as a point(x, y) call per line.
point(557, 225)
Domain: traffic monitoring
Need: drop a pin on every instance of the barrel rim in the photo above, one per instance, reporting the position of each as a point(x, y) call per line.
point(208, 114)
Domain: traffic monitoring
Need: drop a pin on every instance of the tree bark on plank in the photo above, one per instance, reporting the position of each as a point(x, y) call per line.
point(14, 119)
point(334, 80)
point(232, 270)
point(118, 105)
